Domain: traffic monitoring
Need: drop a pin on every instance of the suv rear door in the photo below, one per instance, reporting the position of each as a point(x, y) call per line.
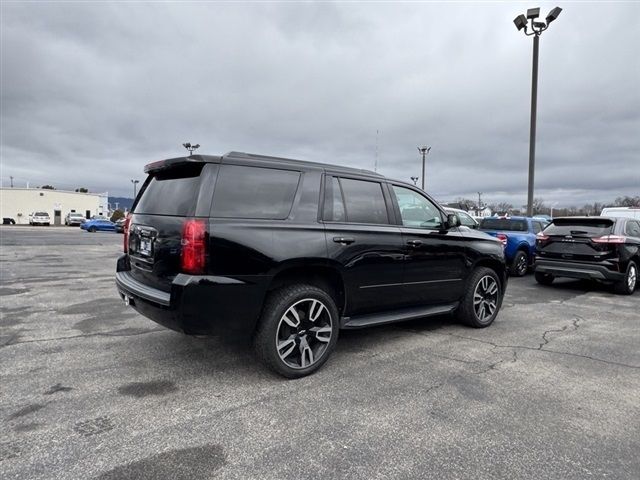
point(171, 194)
point(577, 239)
point(360, 235)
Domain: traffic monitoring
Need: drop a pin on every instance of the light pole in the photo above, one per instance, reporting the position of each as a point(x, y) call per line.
point(135, 185)
point(521, 22)
point(190, 147)
point(424, 150)
point(415, 180)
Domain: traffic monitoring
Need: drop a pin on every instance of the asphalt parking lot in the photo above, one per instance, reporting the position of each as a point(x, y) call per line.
point(90, 389)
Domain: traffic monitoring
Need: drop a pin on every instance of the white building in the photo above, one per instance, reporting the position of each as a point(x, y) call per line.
point(18, 203)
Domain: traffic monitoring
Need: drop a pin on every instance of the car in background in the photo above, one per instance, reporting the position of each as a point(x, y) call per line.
point(605, 249)
point(98, 225)
point(120, 224)
point(626, 212)
point(465, 219)
point(518, 235)
point(74, 219)
point(39, 218)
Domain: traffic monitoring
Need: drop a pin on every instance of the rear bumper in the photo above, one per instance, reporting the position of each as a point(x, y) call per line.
point(588, 271)
point(196, 304)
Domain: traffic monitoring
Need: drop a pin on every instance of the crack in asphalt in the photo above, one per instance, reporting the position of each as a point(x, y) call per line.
point(97, 334)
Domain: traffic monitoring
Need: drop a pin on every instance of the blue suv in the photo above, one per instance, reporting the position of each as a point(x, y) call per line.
point(518, 234)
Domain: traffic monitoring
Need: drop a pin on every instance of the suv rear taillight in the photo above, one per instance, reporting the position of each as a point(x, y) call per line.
point(610, 239)
point(503, 238)
point(194, 246)
point(127, 222)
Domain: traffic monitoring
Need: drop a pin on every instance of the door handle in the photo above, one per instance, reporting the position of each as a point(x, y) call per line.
point(344, 240)
point(414, 243)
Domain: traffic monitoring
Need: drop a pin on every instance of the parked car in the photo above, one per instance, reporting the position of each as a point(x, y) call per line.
point(120, 225)
point(74, 219)
point(626, 212)
point(593, 248)
point(465, 219)
point(98, 225)
point(519, 237)
point(289, 252)
point(39, 218)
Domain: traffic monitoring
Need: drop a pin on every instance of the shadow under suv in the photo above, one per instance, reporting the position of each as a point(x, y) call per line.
point(289, 252)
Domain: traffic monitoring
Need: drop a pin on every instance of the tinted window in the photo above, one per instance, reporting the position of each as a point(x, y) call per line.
point(171, 193)
point(254, 192)
point(580, 227)
point(364, 201)
point(505, 224)
point(334, 205)
point(633, 229)
point(416, 210)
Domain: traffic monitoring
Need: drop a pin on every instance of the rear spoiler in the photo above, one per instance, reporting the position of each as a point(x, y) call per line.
point(171, 163)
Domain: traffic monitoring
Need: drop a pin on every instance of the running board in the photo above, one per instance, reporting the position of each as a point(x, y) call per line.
point(369, 320)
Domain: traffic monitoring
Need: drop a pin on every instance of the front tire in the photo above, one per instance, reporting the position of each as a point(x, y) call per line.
point(519, 265)
point(630, 281)
point(92, 229)
point(297, 331)
point(544, 278)
point(481, 302)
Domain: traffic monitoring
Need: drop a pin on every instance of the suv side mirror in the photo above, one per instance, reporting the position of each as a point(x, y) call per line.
point(452, 221)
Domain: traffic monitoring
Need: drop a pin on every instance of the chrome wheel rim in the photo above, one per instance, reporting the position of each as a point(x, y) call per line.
point(304, 333)
point(485, 298)
point(521, 266)
point(632, 278)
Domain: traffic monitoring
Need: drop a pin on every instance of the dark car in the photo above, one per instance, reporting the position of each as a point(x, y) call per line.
point(98, 225)
point(519, 237)
point(290, 252)
point(593, 248)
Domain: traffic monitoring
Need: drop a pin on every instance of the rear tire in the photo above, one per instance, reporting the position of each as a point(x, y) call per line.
point(630, 282)
point(297, 331)
point(519, 265)
point(481, 302)
point(544, 278)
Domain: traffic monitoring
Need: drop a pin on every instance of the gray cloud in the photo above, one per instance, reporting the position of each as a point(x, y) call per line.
point(92, 92)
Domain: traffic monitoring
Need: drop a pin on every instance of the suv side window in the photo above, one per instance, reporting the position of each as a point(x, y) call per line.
point(254, 192)
point(358, 201)
point(333, 202)
point(537, 227)
point(632, 229)
point(417, 211)
point(466, 220)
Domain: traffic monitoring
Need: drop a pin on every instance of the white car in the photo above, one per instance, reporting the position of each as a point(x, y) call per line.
point(626, 212)
point(74, 218)
point(39, 218)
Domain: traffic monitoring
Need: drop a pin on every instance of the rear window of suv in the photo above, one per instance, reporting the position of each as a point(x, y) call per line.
point(254, 192)
point(504, 224)
point(579, 227)
point(173, 192)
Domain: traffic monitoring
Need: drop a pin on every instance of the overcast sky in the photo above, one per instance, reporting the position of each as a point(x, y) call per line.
point(91, 92)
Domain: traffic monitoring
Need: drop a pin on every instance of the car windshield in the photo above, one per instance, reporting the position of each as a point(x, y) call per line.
point(42, 214)
point(587, 227)
point(505, 224)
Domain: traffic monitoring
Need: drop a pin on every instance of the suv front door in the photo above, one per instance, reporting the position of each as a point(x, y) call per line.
point(435, 268)
point(361, 237)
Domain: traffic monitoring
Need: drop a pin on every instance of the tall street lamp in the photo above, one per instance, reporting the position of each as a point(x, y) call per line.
point(135, 189)
point(424, 151)
point(190, 147)
point(536, 29)
point(415, 180)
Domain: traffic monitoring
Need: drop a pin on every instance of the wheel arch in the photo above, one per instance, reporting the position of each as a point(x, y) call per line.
point(495, 265)
point(324, 276)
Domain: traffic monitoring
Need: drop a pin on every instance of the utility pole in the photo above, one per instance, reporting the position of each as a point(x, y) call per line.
point(11, 177)
point(135, 189)
point(424, 150)
point(375, 166)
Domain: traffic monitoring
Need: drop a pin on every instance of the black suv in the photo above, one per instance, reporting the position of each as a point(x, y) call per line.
point(289, 252)
point(593, 248)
